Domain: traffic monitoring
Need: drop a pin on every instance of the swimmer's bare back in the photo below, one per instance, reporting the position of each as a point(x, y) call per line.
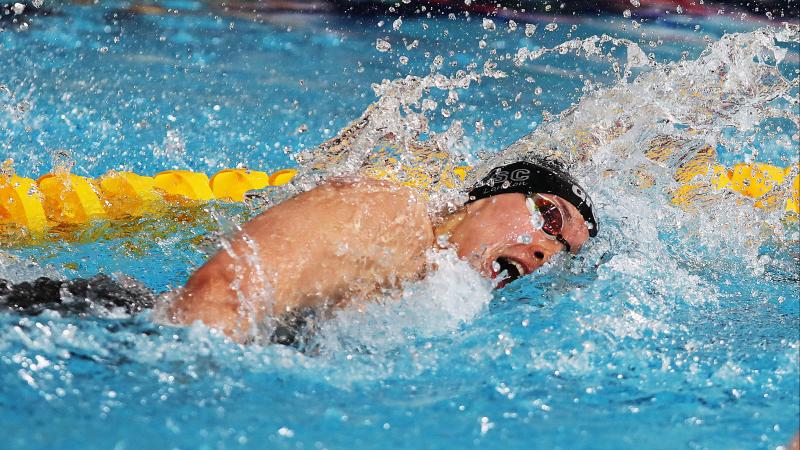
point(343, 240)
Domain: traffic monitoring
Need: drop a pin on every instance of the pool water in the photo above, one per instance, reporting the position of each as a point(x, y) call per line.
point(671, 330)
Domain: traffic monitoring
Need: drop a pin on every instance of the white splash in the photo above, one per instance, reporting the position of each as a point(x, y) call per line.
point(451, 295)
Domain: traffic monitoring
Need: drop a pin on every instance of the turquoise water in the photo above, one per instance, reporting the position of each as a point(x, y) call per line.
point(661, 336)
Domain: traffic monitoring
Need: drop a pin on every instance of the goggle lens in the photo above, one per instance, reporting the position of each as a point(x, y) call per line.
point(551, 215)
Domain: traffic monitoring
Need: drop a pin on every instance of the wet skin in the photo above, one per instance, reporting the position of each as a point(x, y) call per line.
point(500, 227)
point(342, 242)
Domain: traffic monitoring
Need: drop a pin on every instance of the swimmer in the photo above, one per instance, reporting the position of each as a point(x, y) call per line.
point(350, 238)
point(346, 240)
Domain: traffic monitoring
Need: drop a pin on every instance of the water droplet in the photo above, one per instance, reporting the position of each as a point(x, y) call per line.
point(403, 60)
point(512, 26)
point(488, 24)
point(452, 98)
point(397, 24)
point(537, 91)
point(18, 8)
point(524, 239)
point(679, 9)
point(382, 45)
point(537, 221)
point(551, 27)
point(482, 44)
point(626, 14)
point(529, 29)
point(286, 432)
point(635, 3)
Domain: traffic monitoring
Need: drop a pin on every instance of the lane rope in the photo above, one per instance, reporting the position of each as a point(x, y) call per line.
point(64, 198)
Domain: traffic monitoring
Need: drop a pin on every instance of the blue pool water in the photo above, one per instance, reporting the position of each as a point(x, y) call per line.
point(671, 331)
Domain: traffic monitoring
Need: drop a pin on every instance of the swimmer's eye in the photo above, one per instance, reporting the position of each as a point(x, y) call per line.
point(553, 219)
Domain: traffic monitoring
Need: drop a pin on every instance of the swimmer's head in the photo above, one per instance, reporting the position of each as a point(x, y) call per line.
point(518, 217)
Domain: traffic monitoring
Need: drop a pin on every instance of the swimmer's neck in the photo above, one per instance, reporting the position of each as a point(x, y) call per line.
point(446, 226)
point(448, 223)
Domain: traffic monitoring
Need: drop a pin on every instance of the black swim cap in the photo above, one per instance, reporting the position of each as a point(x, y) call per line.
point(540, 177)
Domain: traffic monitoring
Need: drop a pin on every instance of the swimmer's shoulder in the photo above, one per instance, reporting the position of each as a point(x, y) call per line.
point(369, 190)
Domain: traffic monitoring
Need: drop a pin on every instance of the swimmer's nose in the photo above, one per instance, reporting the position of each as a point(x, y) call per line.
point(540, 254)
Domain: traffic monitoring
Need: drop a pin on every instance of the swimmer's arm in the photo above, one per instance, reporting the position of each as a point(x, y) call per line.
point(343, 240)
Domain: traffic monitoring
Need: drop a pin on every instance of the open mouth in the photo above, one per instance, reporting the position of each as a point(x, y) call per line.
point(510, 268)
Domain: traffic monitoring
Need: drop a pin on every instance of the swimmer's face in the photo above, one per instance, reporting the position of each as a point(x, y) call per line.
point(498, 235)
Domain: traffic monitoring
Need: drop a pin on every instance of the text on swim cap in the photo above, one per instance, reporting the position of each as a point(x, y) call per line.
point(501, 176)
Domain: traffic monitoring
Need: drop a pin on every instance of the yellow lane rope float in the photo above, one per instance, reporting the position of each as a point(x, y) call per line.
point(63, 198)
point(70, 199)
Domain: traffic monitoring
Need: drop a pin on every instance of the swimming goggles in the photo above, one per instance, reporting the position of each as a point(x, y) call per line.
point(552, 218)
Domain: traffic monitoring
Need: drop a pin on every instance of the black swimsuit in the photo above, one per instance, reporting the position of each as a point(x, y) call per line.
point(86, 297)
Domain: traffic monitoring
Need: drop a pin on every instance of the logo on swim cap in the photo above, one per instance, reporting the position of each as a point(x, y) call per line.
point(582, 195)
point(530, 177)
point(515, 176)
